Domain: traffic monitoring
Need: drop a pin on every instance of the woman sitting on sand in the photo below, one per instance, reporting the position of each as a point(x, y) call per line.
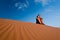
point(39, 20)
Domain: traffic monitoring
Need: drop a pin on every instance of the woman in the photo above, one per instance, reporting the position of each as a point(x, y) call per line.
point(39, 20)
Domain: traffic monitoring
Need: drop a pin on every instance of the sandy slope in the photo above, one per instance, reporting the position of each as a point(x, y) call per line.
point(15, 30)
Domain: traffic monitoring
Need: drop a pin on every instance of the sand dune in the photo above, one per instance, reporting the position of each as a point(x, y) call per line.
point(16, 30)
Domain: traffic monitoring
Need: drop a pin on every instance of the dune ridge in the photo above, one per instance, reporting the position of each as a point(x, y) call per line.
point(16, 30)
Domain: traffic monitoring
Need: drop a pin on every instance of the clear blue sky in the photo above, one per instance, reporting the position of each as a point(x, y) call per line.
point(27, 10)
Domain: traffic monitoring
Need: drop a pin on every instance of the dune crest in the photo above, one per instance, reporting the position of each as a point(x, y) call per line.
point(16, 30)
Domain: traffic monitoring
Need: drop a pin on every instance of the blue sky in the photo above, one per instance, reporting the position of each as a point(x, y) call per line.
point(27, 10)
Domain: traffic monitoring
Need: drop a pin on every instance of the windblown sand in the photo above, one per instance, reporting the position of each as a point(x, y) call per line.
point(16, 30)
